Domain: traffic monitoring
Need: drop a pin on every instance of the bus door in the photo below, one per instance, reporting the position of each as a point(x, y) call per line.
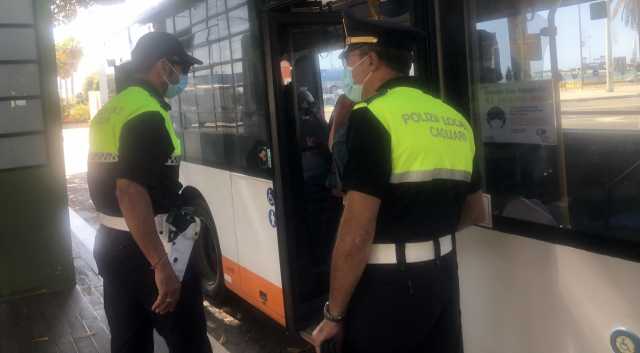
point(306, 75)
point(307, 222)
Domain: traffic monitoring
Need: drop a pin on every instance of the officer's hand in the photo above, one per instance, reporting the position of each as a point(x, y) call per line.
point(168, 289)
point(327, 330)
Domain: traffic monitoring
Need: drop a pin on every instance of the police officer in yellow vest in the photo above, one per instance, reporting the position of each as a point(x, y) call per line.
point(410, 185)
point(133, 181)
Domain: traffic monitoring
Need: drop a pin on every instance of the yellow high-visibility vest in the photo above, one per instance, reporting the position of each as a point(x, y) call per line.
point(106, 126)
point(429, 139)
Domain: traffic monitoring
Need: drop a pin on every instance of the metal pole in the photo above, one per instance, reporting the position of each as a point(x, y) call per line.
point(609, 48)
point(581, 44)
point(556, 77)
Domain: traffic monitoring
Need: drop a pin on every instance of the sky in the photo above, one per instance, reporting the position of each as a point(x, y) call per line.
point(331, 60)
point(102, 32)
point(568, 39)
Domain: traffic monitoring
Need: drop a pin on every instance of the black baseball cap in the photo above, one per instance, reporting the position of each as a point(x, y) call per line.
point(154, 46)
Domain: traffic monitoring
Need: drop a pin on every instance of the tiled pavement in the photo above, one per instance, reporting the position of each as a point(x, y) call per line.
point(74, 321)
point(70, 321)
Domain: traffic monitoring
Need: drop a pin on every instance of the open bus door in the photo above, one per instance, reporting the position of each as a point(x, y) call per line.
point(307, 219)
point(304, 75)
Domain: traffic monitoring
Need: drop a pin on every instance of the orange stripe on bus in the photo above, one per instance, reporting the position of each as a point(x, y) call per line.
point(258, 291)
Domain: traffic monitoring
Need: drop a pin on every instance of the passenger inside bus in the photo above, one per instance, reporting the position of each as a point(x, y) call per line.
point(319, 211)
point(337, 141)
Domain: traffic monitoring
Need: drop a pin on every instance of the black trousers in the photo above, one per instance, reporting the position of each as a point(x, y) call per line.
point(416, 310)
point(129, 293)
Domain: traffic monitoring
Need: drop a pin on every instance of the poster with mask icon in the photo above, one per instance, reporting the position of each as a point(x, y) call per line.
point(518, 112)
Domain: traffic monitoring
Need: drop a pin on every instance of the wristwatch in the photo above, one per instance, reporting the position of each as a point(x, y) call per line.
point(331, 317)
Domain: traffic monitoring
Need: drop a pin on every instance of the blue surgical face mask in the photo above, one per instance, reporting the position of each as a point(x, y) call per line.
point(173, 90)
point(352, 90)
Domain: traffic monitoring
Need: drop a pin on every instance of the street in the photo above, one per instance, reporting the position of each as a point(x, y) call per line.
point(602, 113)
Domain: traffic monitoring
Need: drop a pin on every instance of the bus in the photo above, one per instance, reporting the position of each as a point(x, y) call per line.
point(555, 266)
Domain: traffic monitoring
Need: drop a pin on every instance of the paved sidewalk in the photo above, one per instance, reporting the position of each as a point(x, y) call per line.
point(70, 321)
point(591, 92)
point(89, 283)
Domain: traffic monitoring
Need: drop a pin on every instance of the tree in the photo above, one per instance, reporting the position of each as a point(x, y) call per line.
point(630, 15)
point(68, 55)
point(65, 11)
point(91, 83)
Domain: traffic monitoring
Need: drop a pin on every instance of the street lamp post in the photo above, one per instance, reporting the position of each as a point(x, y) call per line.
point(609, 48)
point(581, 45)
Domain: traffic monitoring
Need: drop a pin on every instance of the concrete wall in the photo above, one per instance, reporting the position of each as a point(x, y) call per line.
point(527, 296)
point(35, 248)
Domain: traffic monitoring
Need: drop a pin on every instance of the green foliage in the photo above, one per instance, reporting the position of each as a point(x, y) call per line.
point(68, 56)
point(91, 83)
point(75, 113)
point(65, 11)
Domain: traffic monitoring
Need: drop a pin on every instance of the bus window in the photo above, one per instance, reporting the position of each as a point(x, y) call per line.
point(182, 21)
point(223, 110)
point(332, 72)
point(559, 114)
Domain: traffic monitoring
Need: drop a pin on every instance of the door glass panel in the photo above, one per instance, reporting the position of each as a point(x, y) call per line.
point(223, 96)
point(169, 25)
point(188, 104)
point(202, 53)
point(182, 21)
point(220, 51)
point(331, 73)
point(216, 6)
point(204, 96)
point(198, 12)
point(218, 27)
point(239, 20)
point(236, 46)
point(234, 3)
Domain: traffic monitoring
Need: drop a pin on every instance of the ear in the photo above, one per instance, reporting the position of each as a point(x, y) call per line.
point(159, 69)
point(374, 61)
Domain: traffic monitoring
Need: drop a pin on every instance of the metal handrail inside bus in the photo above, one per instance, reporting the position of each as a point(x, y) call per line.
point(609, 189)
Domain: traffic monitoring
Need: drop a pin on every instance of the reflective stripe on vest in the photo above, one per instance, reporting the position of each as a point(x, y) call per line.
point(106, 126)
point(429, 139)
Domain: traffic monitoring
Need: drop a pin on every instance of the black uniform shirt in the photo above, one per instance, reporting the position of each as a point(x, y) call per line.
point(144, 152)
point(409, 211)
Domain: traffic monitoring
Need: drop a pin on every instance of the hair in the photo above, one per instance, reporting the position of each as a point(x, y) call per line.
point(398, 60)
point(497, 114)
point(141, 68)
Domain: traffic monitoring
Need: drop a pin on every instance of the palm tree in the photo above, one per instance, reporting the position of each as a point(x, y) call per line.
point(630, 15)
point(68, 56)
